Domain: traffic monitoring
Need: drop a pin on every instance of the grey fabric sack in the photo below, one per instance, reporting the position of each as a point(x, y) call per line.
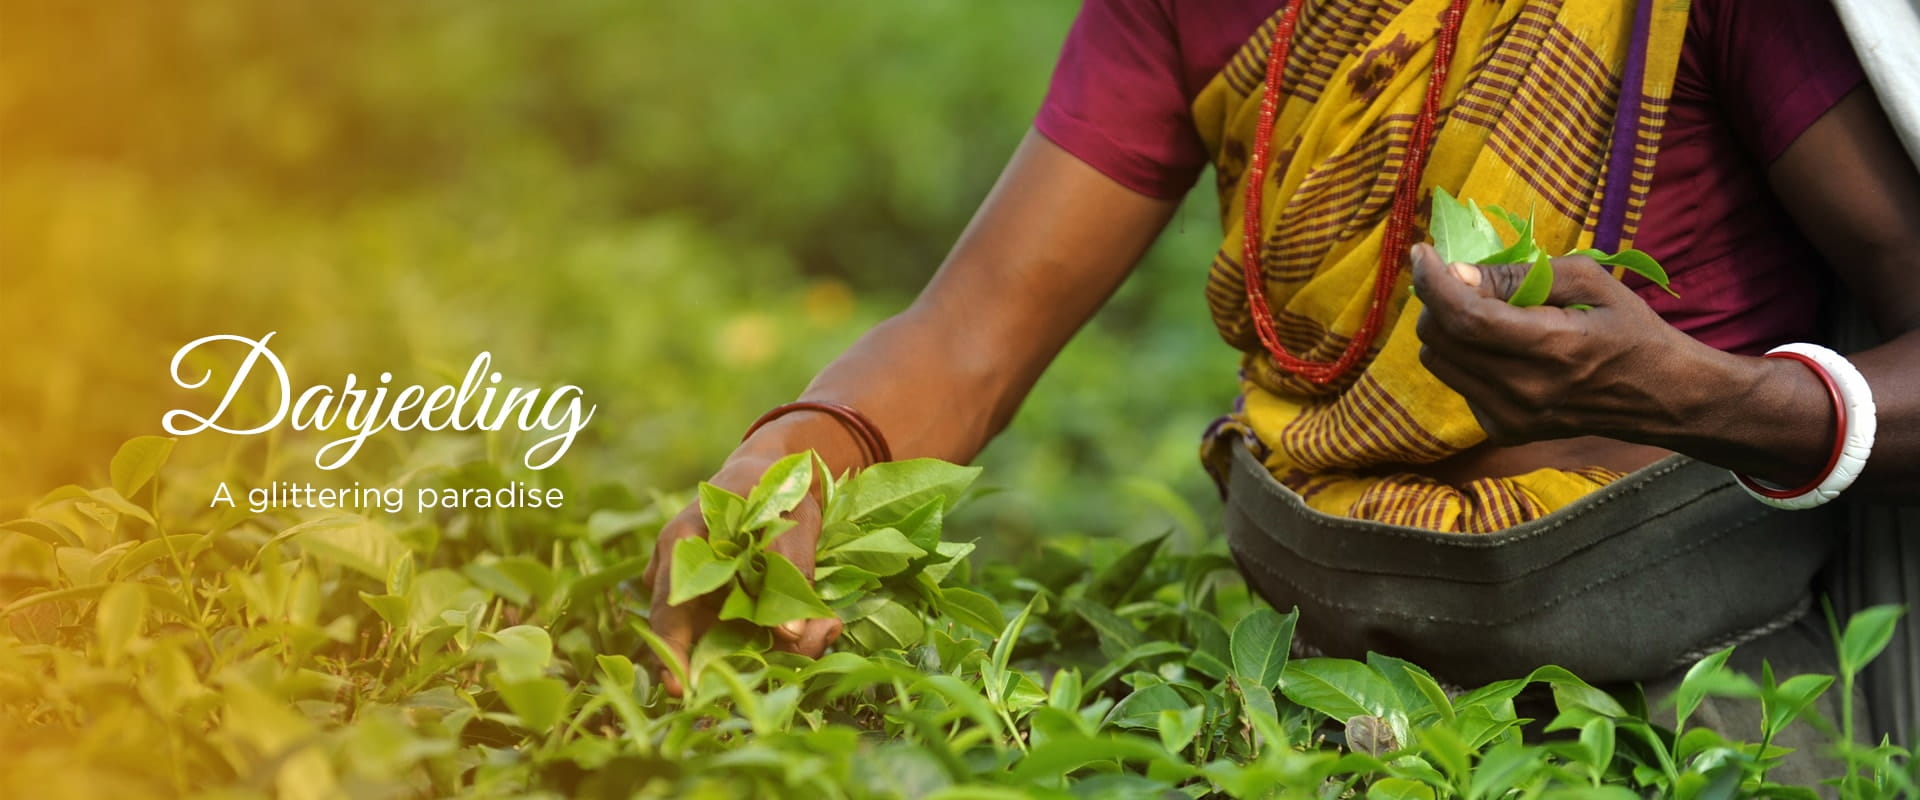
point(1643, 576)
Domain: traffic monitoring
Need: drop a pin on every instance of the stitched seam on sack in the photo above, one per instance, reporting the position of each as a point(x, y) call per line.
point(1800, 608)
point(1261, 562)
point(1604, 496)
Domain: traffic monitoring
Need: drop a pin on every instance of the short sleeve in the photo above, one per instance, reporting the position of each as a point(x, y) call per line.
point(1777, 67)
point(1117, 102)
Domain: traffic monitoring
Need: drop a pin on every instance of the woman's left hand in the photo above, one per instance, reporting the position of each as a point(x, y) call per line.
point(1550, 372)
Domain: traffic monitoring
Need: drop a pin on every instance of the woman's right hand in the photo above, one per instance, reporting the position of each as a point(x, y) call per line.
point(682, 625)
point(1049, 245)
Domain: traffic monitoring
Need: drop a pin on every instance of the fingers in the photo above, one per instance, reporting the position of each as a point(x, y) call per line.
point(813, 638)
point(1466, 307)
point(1491, 402)
point(821, 633)
point(801, 543)
point(1576, 280)
point(679, 626)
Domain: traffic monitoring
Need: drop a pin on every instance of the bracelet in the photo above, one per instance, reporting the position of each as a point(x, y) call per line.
point(873, 446)
point(1854, 417)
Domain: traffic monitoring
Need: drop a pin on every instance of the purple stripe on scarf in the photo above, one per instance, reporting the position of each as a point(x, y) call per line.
point(1626, 133)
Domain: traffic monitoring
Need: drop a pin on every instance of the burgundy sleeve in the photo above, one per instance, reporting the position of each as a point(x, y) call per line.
point(1116, 100)
point(1779, 66)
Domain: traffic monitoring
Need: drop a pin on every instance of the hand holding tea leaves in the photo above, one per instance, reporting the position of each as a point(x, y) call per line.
point(1550, 348)
point(756, 561)
point(768, 537)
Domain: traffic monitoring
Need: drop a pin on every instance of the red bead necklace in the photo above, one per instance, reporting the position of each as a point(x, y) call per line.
point(1399, 222)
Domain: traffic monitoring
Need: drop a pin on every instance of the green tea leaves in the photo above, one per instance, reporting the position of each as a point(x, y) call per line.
point(888, 491)
point(520, 653)
point(781, 489)
point(497, 661)
point(697, 571)
point(1536, 285)
point(882, 552)
point(1866, 635)
point(1460, 231)
point(1337, 688)
point(1634, 261)
point(722, 511)
point(1260, 644)
point(1523, 250)
point(137, 462)
point(786, 595)
point(1462, 234)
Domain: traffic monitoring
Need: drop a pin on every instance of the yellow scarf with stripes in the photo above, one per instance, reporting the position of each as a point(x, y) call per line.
point(1526, 122)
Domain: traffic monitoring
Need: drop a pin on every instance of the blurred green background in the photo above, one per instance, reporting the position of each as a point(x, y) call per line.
point(684, 208)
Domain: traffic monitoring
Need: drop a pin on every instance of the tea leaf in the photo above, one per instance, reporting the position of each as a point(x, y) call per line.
point(1460, 232)
point(1260, 644)
point(1709, 676)
point(882, 552)
point(52, 533)
point(696, 571)
point(1634, 261)
point(538, 703)
point(1503, 768)
point(1336, 687)
point(1597, 736)
point(1784, 703)
point(721, 510)
point(1399, 789)
point(1536, 285)
point(888, 491)
point(881, 623)
point(117, 620)
point(1177, 728)
point(972, 609)
point(1121, 578)
point(138, 460)
point(786, 595)
point(1404, 678)
point(780, 490)
point(360, 544)
point(1867, 633)
point(1524, 249)
point(1141, 709)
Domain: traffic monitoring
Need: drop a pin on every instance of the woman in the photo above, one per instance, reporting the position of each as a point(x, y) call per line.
point(1749, 158)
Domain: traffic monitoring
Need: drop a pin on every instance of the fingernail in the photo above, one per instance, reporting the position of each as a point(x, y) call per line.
point(1468, 274)
point(794, 629)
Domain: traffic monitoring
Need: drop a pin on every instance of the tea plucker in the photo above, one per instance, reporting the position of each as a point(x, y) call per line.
point(1446, 477)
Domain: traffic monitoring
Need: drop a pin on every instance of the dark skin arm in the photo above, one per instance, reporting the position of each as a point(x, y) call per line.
point(1618, 371)
point(1047, 247)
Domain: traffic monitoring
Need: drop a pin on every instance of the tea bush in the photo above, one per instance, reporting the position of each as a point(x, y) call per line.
point(155, 647)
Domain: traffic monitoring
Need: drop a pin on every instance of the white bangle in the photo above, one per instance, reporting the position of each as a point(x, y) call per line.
point(1854, 410)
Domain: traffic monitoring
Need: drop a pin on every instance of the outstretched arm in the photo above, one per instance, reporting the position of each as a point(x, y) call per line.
point(1048, 246)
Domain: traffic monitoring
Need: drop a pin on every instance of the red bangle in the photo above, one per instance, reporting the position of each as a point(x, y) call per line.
point(872, 445)
point(1839, 441)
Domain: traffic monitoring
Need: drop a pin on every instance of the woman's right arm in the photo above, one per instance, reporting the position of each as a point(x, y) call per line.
point(1048, 246)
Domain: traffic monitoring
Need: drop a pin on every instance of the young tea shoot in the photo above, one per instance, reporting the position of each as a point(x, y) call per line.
point(1464, 234)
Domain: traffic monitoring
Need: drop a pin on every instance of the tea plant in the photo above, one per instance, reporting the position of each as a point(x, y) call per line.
point(1464, 234)
point(155, 648)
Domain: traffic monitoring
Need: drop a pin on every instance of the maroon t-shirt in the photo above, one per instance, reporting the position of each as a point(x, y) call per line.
point(1751, 79)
